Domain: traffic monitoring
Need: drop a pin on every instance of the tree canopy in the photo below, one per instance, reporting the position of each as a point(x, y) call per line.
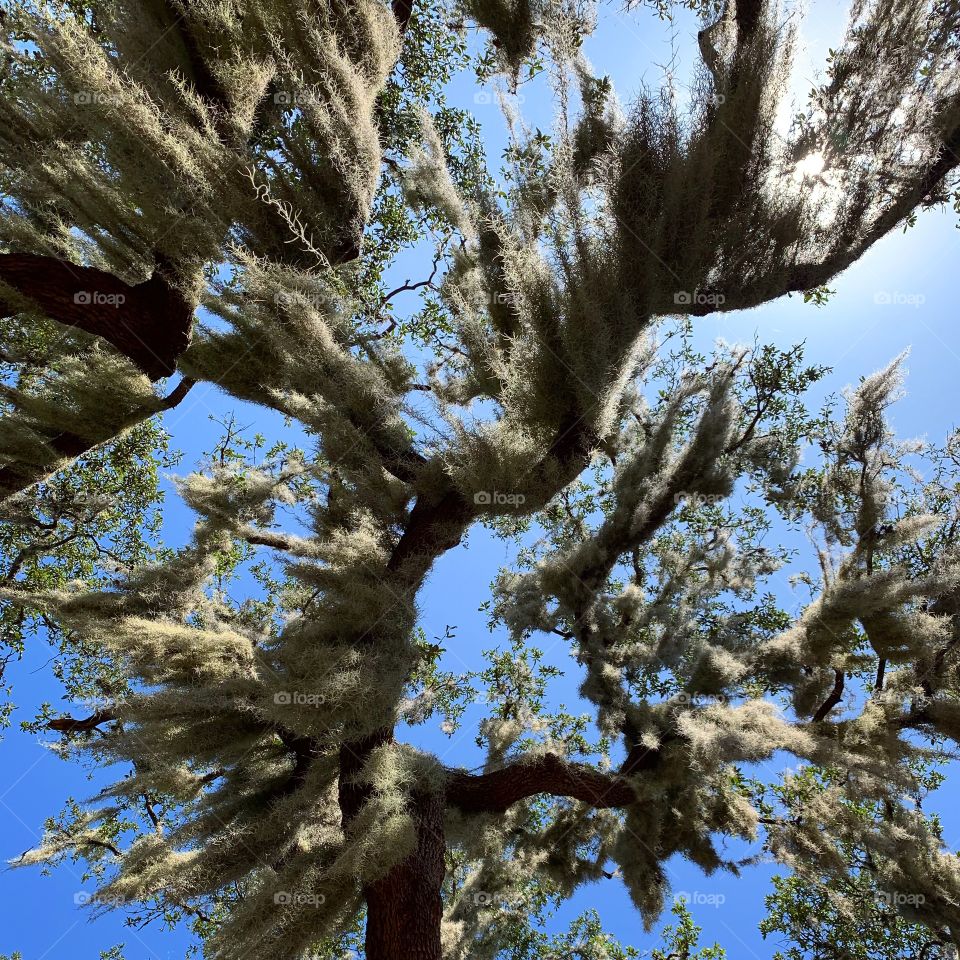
point(213, 192)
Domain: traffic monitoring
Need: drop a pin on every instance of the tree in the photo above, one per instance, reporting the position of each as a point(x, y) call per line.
point(226, 161)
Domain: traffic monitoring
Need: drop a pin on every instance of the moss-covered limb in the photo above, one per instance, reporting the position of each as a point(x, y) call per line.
point(56, 450)
point(845, 845)
point(810, 235)
point(855, 501)
point(178, 124)
point(438, 520)
point(804, 276)
point(403, 11)
point(403, 902)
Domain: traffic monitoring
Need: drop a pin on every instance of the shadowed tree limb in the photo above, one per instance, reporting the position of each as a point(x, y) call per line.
point(809, 276)
point(149, 323)
point(402, 10)
point(16, 476)
point(72, 725)
point(836, 695)
point(748, 14)
point(550, 774)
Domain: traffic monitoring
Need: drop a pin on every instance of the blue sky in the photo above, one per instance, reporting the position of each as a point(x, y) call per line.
point(902, 294)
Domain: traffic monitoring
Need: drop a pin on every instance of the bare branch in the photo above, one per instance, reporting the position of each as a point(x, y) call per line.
point(72, 725)
point(149, 323)
point(495, 792)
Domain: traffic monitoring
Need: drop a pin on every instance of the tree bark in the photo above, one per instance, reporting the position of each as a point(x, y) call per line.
point(73, 725)
point(148, 323)
point(404, 908)
point(498, 790)
point(403, 11)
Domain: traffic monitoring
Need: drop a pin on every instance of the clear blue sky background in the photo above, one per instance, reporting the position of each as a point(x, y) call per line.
point(854, 335)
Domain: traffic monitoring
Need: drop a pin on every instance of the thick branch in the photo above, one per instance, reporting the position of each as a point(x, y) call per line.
point(748, 14)
point(16, 476)
point(305, 750)
point(202, 77)
point(434, 527)
point(809, 276)
point(405, 465)
point(72, 725)
point(267, 538)
point(402, 10)
point(495, 792)
point(404, 907)
point(148, 323)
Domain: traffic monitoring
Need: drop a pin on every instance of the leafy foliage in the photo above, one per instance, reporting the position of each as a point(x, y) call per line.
point(269, 163)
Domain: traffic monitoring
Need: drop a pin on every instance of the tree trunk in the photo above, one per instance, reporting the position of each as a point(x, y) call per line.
point(404, 908)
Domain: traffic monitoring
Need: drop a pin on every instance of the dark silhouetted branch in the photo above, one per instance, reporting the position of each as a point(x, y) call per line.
point(72, 725)
point(498, 790)
point(149, 323)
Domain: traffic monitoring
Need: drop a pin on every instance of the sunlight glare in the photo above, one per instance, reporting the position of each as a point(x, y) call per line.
point(810, 166)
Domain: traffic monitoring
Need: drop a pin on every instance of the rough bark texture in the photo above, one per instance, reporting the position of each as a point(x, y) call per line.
point(148, 323)
point(496, 791)
point(404, 909)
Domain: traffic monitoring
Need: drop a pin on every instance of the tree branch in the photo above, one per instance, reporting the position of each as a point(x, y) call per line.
point(402, 10)
point(498, 790)
point(17, 476)
point(835, 696)
point(72, 725)
point(148, 323)
point(809, 276)
point(305, 750)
